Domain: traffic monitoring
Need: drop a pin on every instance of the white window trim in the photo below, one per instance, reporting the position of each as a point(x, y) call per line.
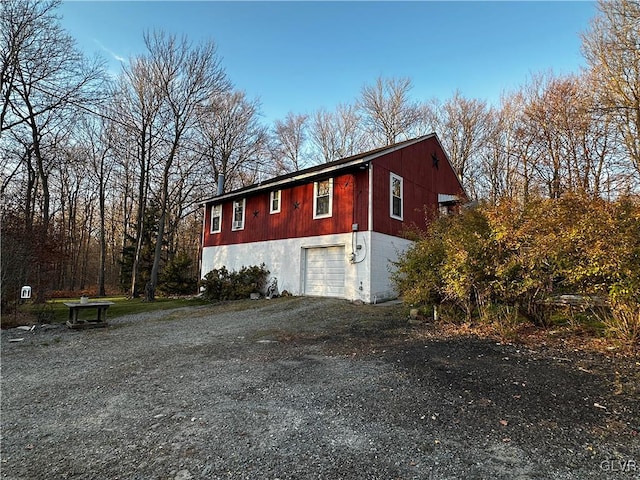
point(393, 177)
point(315, 200)
point(213, 208)
point(238, 225)
point(272, 196)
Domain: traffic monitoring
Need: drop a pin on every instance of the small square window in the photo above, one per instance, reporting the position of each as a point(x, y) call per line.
point(396, 196)
point(274, 201)
point(216, 219)
point(238, 214)
point(322, 198)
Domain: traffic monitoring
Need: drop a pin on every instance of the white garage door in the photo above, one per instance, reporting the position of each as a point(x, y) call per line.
point(324, 272)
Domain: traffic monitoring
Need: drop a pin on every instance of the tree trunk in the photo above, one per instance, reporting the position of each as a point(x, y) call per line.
point(142, 203)
point(103, 240)
point(161, 222)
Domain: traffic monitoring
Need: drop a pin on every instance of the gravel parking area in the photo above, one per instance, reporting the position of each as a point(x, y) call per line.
point(301, 388)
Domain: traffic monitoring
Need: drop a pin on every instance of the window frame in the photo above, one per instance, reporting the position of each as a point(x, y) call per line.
point(213, 211)
point(236, 203)
point(272, 197)
point(316, 197)
point(443, 210)
point(392, 214)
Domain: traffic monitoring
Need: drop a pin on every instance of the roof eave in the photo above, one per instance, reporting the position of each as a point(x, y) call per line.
point(280, 181)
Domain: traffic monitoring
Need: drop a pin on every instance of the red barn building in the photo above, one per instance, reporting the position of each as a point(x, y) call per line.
point(333, 229)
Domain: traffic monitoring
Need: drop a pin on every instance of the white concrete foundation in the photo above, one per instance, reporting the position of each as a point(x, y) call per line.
point(367, 261)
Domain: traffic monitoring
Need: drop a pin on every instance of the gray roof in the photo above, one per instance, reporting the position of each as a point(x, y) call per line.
point(317, 171)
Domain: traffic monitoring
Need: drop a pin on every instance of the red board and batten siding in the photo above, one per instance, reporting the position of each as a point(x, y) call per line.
point(295, 218)
point(422, 182)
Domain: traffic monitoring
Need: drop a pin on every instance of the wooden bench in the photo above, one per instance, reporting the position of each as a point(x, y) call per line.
point(75, 308)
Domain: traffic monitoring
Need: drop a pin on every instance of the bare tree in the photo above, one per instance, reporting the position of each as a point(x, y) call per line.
point(123, 209)
point(231, 137)
point(388, 112)
point(45, 80)
point(586, 133)
point(506, 161)
point(96, 136)
point(463, 126)
point(495, 163)
point(288, 142)
point(20, 22)
point(572, 140)
point(186, 77)
point(337, 134)
point(137, 103)
point(43, 76)
point(612, 49)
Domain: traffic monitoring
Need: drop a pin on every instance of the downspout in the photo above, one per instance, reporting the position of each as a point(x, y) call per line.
point(369, 245)
point(370, 206)
point(204, 224)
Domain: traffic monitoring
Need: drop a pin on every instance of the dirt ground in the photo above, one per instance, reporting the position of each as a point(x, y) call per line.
point(301, 388)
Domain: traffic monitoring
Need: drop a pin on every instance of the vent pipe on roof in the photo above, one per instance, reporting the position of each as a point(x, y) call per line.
point(220, 184)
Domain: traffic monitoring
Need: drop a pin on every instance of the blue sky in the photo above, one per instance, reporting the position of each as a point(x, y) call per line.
point(303, 56)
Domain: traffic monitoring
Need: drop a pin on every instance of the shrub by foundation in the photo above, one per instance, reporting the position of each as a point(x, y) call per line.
point(222, 284)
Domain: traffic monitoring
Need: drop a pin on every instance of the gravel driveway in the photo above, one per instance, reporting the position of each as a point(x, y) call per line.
point(301, 388)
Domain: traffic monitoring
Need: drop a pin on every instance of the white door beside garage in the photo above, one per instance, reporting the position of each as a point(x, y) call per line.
point(324, 272)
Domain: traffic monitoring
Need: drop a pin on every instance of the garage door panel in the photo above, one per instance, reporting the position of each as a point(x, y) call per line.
point(324, 271)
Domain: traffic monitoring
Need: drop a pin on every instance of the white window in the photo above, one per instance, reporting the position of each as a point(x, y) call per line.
point(238, 214)
point(216, 218)
point(274, 202)
point(396, 195)
point(322, 198)
point(447, 204)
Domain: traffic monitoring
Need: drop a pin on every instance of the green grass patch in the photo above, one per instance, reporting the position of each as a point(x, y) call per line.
point(55, 311)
